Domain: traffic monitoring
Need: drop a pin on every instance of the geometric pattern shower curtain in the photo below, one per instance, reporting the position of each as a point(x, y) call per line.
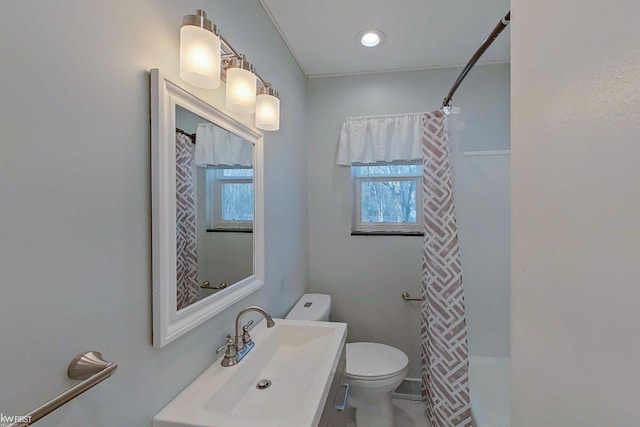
point(186, 242)
point(445, 358)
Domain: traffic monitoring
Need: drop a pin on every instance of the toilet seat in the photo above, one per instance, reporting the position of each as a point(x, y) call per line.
point(368, 361)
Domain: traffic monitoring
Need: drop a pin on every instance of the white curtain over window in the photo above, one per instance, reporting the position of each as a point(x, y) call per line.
point(218, 147)
point(372, 139)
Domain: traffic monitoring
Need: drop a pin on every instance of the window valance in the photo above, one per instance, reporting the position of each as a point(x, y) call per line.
point(372, 139)
point(218, 147)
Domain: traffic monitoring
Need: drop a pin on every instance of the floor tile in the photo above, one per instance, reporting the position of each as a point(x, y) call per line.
point(407, 413)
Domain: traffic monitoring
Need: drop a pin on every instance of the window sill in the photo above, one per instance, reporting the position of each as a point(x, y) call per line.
point(387, 233)
point(229, 230)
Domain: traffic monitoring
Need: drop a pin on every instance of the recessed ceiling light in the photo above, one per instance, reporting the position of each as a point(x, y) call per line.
point(371, 38)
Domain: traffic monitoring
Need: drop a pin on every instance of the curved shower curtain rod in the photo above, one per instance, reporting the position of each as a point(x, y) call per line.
point(485, 45)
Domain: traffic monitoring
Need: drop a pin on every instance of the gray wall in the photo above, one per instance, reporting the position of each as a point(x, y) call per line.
point(224, 257)
point(187, 121)
point(75, 251)
point(575, 294)
point(366, 274)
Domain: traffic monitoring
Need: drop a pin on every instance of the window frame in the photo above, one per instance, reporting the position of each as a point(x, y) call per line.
point(215, 181)
point(358, 227)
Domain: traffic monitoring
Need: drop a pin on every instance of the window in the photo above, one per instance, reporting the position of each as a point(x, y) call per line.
point(231, 199)
point(388, 198)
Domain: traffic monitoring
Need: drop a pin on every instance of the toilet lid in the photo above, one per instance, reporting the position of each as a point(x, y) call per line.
point(372, 360)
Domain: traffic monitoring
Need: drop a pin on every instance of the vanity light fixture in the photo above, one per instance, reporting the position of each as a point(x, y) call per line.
point(199, 51)
point(268, 108)
point(371, 38)
point(206, 58)
point(241, 86)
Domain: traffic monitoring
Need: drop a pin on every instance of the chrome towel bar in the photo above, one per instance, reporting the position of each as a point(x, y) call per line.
point(207, 285)
point(90, 367)
point(407, 297)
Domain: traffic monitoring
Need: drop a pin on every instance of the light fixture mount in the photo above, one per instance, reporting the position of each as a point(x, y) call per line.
point(268, 90)
point(242, 63)
point(199, 19)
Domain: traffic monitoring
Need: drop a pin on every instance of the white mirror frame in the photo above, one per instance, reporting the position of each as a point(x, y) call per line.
point(168, 322)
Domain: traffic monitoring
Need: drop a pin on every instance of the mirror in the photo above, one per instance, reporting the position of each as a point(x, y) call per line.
point(207, 210)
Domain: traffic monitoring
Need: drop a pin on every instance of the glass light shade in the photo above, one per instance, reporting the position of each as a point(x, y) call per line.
point(371, 38)
point(267, 112)
point(241, 90)
point(199, 57)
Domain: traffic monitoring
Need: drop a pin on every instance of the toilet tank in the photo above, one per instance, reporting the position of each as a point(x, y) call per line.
point(311, 307)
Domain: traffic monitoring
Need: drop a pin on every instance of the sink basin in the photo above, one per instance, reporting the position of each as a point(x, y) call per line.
point(299, 358)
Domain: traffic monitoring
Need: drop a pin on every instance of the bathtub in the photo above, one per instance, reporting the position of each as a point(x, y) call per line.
point(489, 386)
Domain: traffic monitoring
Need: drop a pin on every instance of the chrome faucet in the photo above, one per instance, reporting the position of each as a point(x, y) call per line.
point(244, 338)
point(236, 349)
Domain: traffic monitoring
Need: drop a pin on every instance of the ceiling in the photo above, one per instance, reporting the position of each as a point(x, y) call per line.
point(420, 34)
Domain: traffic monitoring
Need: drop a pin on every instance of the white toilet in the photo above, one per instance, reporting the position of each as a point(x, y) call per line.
point(373, 370)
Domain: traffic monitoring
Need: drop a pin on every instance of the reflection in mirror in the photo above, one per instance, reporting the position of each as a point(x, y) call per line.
point(214, 208)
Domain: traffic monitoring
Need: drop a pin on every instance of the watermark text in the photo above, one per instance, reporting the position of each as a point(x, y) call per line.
point(21, 420)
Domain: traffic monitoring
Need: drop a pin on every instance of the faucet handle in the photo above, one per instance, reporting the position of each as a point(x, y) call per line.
point(226, 345)
point(230, 352)
point(246, 338)
point(246, 327)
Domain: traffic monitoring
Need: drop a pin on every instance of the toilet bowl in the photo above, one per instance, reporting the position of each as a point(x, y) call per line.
point(373, 370)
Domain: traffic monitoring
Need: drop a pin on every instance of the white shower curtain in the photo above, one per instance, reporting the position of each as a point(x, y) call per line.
point(445, 358)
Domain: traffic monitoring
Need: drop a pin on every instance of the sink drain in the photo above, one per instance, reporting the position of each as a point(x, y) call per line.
point(263, 384)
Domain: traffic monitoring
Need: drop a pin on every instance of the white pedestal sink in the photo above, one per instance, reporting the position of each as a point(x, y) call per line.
point(299, 358)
